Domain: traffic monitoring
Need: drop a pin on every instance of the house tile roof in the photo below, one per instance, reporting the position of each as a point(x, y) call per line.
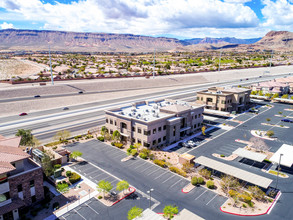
point(11, 142)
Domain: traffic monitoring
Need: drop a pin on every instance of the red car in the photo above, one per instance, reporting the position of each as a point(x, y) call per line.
point(22, 114)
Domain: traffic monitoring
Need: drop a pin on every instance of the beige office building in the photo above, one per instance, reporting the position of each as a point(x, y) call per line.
point(155, 123)
point(227, 100)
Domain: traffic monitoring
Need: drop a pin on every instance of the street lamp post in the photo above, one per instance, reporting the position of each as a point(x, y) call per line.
point(78, 200)
point(150, 192)
point(89, 194)
point(278, 170)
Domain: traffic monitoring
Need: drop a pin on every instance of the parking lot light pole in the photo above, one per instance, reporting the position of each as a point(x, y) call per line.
point(278, 170)
point(150, 192)
point(89, 194)
point(78, 200)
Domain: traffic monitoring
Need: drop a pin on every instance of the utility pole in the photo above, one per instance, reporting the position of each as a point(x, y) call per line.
point(271, 60)
point(52, 80)
point(154, 63)
point(220, 61)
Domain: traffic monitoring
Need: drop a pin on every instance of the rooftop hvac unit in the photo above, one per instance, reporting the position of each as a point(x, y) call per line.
point(129, 114)
point(145, 119)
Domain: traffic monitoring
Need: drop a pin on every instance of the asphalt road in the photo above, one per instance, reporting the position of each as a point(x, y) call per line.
point(80, 118)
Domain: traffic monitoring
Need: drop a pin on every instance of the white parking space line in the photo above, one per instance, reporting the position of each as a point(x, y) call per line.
point(63, 217)
point(93, 172)
point(79, 214)
point(139, 166)
point(116, 153)
point(174, 184)
point(99, 175)
point(152, 172)
point(145, 169)
point(92, 209)
point(201, 194)
point(212, 199)
point(131, 162)
point(161, 175)
point(168, 178)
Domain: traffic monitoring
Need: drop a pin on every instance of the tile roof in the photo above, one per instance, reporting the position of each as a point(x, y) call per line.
point(11, 142)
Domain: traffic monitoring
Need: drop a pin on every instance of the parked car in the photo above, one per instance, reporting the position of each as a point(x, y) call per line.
point(22, 114)
point(287, 120)
point(37, 96)
point(80, 92)
point(65, 108)
point(254, 111)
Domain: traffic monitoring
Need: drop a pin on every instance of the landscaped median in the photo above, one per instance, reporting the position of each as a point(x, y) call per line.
point(264, 208)
point(110, 200)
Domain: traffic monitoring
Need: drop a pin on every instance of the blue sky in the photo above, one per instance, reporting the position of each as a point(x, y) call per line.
point(175, 18)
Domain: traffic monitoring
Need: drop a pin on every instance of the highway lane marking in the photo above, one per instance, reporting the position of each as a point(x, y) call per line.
point(79, 214)
point(212, 199)
point(161, 175)
point(201, 194)
point(168, 178)
point(175, 183)
point(91, 208)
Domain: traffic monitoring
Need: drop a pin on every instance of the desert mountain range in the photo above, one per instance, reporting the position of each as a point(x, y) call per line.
point(38, 40)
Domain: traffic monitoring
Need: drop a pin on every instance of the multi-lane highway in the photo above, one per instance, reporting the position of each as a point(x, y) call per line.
point(79, 118)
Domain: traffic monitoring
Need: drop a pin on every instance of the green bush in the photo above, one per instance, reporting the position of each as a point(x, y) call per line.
point(74, 178)
point(101, 138)
point(194, 181)
point(62, 187)
point(119, 145)
point(160, 163)
point(143, 156)
point(250, 204)
point(222, 155)
point(268, 161)
point(68, 173)
point(210, 184)
point(244, 206)
point(200, 180)
point(152, 156)
point(99, 197)
point(112, 143)
point(178, 171)
point(245, 198)
point(53, 143)
point(57, 166)
point(131, 147)
point(129, 150)
point(133, 152)
point(233, 193)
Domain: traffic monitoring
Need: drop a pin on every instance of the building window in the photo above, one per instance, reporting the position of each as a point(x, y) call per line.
point(159, 140)
point(139, 130)
point(154, 130)
point(195, 117)
point(201, 98)
point(209, 100)
point(32, 183)
point(146, 144)
point(107, 121)
point(19, 188)
point(194, 126)
point(111, 121)
point(164, 128)
point(164, 138)
point(199, 115)
point(123, 125)
point(133, 140)
point(111, 131)
point(154, 142)
point(139, 141)
point(197, 98)
point(160, 129)
point(174, 131)
point(147, 133)
point(133, 129)
point(115, 123)
point(198, 124)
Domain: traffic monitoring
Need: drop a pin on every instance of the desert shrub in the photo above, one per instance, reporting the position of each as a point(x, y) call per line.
point(178, 171)
point(245, 198)
point(119, 145)
point(194, 181)
point(200, 180)
point(57, 166)
point(74, 178)
point(113, 143)
point(151, 156)
point(101, 138)
point(233, 193)
point(222, 155)
point(270, 133)
point(133, 152)
point(143, 156)
point(160, 163)
point(205, 173)
point(250, 204)
point(146, 151)
point(129, 150)
point(244, 206)
point(99, 197)
point(62, 187)
point(131, 146)
point(210, 184)
point(68, 173)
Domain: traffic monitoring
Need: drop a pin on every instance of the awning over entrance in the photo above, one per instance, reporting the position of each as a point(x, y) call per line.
point(286, 158)
point(234, 171)
point(241, 152)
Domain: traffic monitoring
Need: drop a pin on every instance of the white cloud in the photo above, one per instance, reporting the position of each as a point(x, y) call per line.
point(237, 1)
point(148, 17)
point(278, 13)
point(6, 25)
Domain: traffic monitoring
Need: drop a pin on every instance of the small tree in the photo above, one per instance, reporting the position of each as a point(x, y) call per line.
point(134, 212)
point(203, 129)
point(36, 142)
point(75, 154)
point(285, 96)
point(276, 95)
point(62, 136)
point(116, 136)
point(205, 173)
point(122, 185)
point(229, 182)
point(47, 165)
point(270, 133)
point(257, 193)
point(104, 131)
point(26, 137)
point(170, 211)
point(259, 144)
point(188, 167)
point(268, 119)
point(104, 186)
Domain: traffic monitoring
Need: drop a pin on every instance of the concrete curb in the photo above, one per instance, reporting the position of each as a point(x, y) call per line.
point(125, 195)
point(266, 212)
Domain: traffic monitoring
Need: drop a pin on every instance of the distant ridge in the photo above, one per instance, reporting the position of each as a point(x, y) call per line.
point(38, 40)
